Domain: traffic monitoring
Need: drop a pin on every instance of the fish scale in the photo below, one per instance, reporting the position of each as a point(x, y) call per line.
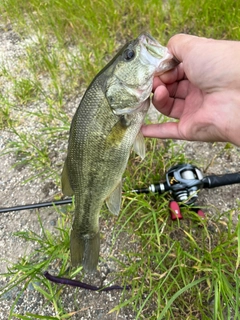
point(101, 137)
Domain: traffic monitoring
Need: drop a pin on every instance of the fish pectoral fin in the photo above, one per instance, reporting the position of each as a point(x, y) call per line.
point(139, 145)
point(66, 188)
point(114, 200)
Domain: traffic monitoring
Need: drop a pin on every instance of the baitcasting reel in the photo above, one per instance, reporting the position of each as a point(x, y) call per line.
point(183, 182)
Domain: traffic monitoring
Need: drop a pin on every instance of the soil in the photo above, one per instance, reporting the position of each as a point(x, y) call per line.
point(212, 158)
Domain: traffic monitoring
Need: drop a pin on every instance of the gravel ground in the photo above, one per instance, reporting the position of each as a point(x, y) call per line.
point(13, 192)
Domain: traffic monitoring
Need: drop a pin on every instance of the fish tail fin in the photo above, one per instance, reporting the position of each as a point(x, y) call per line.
point(85, 250)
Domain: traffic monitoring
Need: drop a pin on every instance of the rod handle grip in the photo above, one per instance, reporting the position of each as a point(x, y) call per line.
point(221, 180)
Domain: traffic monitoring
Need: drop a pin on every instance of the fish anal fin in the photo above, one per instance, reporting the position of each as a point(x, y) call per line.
point(114, 200)
point(66, 187)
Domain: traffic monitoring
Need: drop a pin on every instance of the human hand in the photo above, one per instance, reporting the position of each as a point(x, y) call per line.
point(203, 92)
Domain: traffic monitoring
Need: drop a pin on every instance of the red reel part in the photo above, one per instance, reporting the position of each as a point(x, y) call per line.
point(175, 210)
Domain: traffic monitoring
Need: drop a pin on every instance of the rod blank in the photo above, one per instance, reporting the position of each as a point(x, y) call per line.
point(37, 205)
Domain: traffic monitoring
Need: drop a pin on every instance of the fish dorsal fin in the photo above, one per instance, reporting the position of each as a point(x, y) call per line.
point(114, 200)
point(139, 145)
point(66, 187)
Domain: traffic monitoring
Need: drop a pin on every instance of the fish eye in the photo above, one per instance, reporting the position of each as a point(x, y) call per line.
point(128, 54)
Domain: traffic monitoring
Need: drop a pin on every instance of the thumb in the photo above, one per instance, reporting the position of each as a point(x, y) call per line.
point(180, 45)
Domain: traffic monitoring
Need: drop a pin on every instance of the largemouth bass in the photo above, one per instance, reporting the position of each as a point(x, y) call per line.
point(104, 128)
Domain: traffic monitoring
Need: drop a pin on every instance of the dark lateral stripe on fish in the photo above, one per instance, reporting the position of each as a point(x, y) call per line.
point(76, 283)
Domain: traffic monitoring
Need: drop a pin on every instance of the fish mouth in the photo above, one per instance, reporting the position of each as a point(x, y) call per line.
point(153, 46)
point(157, 55)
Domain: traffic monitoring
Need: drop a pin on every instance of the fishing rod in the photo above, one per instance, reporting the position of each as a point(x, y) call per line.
point(37, 205)
point(182, 182)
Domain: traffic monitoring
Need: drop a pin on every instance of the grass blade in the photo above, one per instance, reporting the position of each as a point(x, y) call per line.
point(177, 294)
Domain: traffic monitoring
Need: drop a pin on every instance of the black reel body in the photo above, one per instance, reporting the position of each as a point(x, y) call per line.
point(183, 182)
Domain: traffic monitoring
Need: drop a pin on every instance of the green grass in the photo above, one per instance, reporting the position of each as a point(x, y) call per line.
point(180, 270)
